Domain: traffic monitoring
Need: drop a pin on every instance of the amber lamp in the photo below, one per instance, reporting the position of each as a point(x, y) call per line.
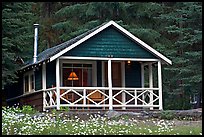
point(73, 76)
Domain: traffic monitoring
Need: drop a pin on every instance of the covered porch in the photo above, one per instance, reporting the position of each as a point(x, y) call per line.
point(105, 84)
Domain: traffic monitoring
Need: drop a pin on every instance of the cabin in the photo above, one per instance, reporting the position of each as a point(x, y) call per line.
point(105, 68)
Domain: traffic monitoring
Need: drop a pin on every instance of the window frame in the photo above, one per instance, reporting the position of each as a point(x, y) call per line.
point(94, 69)
point(30, 82)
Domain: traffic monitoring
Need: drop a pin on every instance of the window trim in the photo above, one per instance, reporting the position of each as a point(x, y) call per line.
point(29, 74)
point(94, 69)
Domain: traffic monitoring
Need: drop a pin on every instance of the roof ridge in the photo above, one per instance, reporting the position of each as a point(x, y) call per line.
point(58, 50)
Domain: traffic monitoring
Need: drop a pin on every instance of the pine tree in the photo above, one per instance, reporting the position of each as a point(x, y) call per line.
point(138, 18)
point(17, 38)
point(184, 24)
point(45, 18)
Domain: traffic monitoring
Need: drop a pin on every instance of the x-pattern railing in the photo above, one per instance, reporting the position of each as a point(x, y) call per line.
point(140, 97)
point(50, 97)
point(137, 95)
point(68, 91)
point(106, 97)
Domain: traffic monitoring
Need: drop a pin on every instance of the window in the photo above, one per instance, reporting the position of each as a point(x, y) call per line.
point(26, 84)
point(29, 81)
point(77, 75)
point(32, 81)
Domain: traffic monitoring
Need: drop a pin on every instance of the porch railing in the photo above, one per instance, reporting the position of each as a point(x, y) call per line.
point(81, 97)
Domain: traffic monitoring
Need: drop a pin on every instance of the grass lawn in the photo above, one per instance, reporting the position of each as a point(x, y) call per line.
point(57, 124)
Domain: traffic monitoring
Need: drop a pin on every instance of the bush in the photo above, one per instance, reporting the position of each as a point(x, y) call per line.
point(66, 109)
point(167, 115)
point(28, 110)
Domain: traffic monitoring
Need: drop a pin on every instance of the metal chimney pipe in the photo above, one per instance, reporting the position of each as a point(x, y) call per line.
point(35, 43)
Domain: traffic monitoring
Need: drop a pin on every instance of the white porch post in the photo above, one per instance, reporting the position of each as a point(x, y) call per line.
point(110, 85)
point(160, 85)
point(44, 82)
point(123, 82)
point(103, 75)
point(142, 79)
point(150, 83)
point(84, 97)
point(58, 83)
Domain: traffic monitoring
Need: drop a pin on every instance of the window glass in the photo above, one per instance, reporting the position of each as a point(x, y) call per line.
point(77, 65)
point(87, 77)
point(66, 65)
point(78, 75)
point(26, 84)
point(32, 81)
point(77, 82)
point(66, 73)
point(87, 65)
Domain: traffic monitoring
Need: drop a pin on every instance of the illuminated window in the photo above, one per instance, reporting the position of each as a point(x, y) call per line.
point(77, 75)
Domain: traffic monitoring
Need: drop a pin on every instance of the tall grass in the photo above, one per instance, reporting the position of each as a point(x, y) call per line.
point(56, 123)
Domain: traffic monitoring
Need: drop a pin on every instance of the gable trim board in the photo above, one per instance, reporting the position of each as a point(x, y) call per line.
point(150, 49)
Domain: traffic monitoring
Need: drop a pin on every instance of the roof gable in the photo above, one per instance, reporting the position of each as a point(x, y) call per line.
point(143, 44)
point(55, 52)
point(110, 42)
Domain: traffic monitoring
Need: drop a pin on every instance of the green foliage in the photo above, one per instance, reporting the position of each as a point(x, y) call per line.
point(65, 109)
point(17, 38)
point(169, 115)
point(27, 109)
point(13, 124)
point(183, 28)
point(54, 111)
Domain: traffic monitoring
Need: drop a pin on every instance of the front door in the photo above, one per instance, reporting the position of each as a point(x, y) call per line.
point(116, 74)
point(116, 78)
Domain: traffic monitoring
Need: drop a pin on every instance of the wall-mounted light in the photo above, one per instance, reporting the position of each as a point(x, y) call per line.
point(128, 62)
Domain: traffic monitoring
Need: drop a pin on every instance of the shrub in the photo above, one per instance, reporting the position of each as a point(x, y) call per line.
point(167, 115)
point(66, 109)
point(28, 110)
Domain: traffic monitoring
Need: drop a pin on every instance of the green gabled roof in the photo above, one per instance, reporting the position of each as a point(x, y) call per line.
point(110, 42)
point(58, 50)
